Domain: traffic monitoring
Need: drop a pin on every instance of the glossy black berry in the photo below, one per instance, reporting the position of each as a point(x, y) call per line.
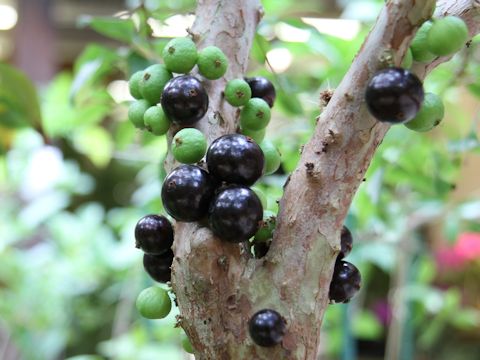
point(345, 283)
point(186, 193)
point(262, 88)
point(394, 95)
point(235, 158)
point(153, 234)
point(235, 214)
point(346, 242)
point(267, 328)
point(159, 266)
point(184, 100)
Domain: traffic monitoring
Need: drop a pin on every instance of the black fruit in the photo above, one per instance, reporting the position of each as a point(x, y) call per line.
point(262, 88)
point(345, 283)
point(153, 234)
point(184, 100)
point(267, 328)
point(346, 242)
point(394, 95)
point(236, 159)
point(186, 193)
point(158, 266)
point(235, 214)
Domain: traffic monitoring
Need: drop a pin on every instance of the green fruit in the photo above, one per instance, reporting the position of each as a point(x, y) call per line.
point(419, 45)
point(407, 59)
point(237, 92)
point(265, 231)
point(256, 135)
point(156, 121)
point(153, 81)
point(134, 84)
point(273, 158)
point(255, 115)
point(187, 346)
point(180, 55)
point(430, 114)
point(261, 195)
point(212, 62)
point(189, 146)
point(153, 303)
point(136, 110)
point(447, 36)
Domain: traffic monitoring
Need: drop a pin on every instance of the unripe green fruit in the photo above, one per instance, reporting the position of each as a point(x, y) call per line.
point(212, 63)
point(189, 146)
point(153, 81)
point(153, 303)
point(265, 231)
point(134, 84)
point(419, 45)
point(256, 135)
point(180, 55)
point(187, 346)
point(261, 195)
point(136, 111)
point(156, 121)
point(430, 114)
point(273, 158)
point(237, 92)
point(407, 59)
point(255, 115)
point(447, 36)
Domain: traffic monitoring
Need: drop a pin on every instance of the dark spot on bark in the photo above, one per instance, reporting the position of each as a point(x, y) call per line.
point(364, 179)
point(325, 97)
point(287, 182)
point(232, 302)
point(222, 261)
point(310, 168)
point(301, 149)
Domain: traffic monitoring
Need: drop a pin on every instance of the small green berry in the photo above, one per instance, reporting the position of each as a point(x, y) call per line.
point(255, 115)
point(265, 231)
point(187, 346)
point(153, 303)
point(447, 36)
point(273, 159)
point(261, 195)
point(237, 92)
point(153, 81)
point(189, 146)
point(134, 84)
point(212, 63)
point(180, 55)
point(156, 121)
point(419, 44)
point(430, 114)
point(407, 59)
point(256, 135)
point(136, 111)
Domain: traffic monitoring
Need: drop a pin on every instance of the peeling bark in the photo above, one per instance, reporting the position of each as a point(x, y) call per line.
point(219, 285)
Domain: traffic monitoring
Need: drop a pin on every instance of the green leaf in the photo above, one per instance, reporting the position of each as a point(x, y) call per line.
point(19, 104)
point(119, 29)
point(366, 326)
point(96, 143)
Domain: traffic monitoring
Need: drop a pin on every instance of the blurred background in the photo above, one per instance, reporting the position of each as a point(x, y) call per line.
point(75, 177)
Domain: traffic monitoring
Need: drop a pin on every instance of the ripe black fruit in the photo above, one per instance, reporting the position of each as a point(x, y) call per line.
point(158, 266)
point(184, 100)
point(266, 328)
point(235, 214)
point(345, 283)
point(346, 242)
point(186, 193)
point(262, 88)
point(394, 95)
point(235, 158)
point(153, 234)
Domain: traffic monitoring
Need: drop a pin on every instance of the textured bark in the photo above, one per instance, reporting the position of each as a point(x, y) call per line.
point(218, 285)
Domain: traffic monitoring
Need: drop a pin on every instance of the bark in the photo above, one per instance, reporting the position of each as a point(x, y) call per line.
point(218, 285)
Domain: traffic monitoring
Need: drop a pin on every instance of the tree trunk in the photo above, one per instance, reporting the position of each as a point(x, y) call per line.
point(219, 285)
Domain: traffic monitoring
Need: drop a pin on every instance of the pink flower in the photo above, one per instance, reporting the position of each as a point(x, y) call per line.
point(466, 248)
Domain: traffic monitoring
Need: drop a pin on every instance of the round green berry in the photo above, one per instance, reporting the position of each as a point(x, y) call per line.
point(134, 84)
point(237, 92)
point(407, 59)
point(261, 195)
point(273, 158)
point(419, 45)
point(430, 114)
point(186, 344)
point(136, 111)
point(255, 115)
point(180, 55)
point(447, 36)
point(156, 121)
point(265, 231)
point(189, 146)
point(153, 303)
point(153, 81)
point(256, 135)
point(212, 63)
